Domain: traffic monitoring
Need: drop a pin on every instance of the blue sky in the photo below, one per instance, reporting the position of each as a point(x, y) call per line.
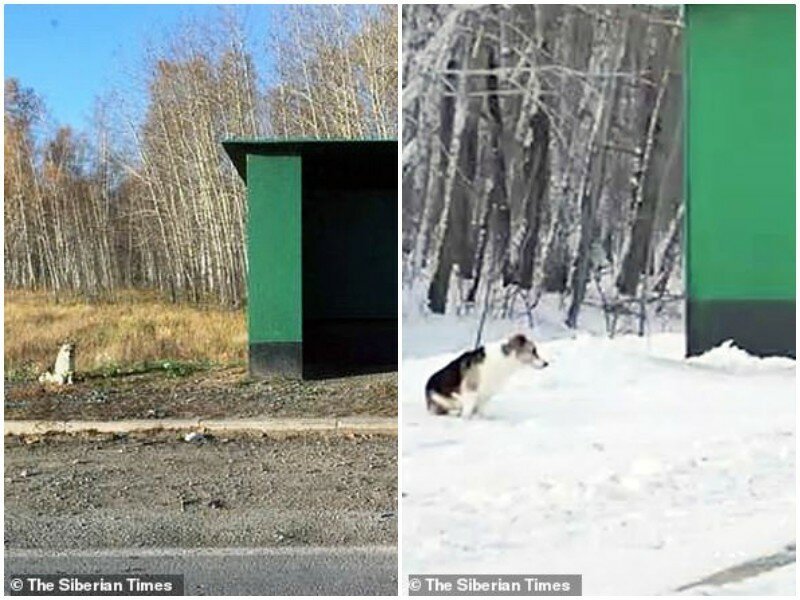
point(69, 54)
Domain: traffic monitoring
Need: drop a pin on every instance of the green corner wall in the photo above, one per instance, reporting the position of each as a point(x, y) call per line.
point(275, 264)
point(740, 169)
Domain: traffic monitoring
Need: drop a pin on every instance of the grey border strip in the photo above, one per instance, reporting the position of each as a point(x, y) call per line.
point(222, 551)
point(746, 570)
point(356, 425)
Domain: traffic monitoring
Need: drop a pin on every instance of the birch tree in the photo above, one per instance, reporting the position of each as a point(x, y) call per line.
point(146, 197)
point(541, 153)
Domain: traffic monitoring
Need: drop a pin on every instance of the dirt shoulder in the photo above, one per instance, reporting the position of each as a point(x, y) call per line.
point(103, 491)
point(216, 393)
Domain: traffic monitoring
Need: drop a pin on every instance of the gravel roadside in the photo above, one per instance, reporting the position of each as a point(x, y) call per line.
point(156, 490)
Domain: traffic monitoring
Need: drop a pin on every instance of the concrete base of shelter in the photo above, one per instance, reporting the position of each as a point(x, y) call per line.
point(761, 327)
point(330, 348)
point(276, 358)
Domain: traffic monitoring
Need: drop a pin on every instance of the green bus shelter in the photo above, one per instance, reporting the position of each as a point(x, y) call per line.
point(740, 177)
point(322, 255)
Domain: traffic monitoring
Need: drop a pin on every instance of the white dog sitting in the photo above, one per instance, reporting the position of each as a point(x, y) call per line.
point(64, 368)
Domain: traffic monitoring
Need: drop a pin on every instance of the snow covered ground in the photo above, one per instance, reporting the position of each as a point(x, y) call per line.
point(622, 461)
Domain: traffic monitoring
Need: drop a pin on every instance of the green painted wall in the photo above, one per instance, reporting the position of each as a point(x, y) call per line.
point(274, 233)
point(740, 85)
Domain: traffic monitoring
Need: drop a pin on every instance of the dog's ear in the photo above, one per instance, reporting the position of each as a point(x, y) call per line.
point(514, 343)
point(464, 365)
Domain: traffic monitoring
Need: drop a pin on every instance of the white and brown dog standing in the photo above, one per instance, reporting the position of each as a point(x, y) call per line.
point(465, 385)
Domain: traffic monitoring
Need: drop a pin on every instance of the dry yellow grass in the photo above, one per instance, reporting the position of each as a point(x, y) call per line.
point(135, 328)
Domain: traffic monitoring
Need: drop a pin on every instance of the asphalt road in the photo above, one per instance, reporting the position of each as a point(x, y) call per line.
point(245, 514)
point(359, 571)
point(73, 493)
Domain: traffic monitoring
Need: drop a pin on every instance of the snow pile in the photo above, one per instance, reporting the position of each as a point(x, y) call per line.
point(622, 461)
point(729, 357)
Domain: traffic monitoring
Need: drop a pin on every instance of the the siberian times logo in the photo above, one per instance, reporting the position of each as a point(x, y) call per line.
point(499, 585)
point(95, 585)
